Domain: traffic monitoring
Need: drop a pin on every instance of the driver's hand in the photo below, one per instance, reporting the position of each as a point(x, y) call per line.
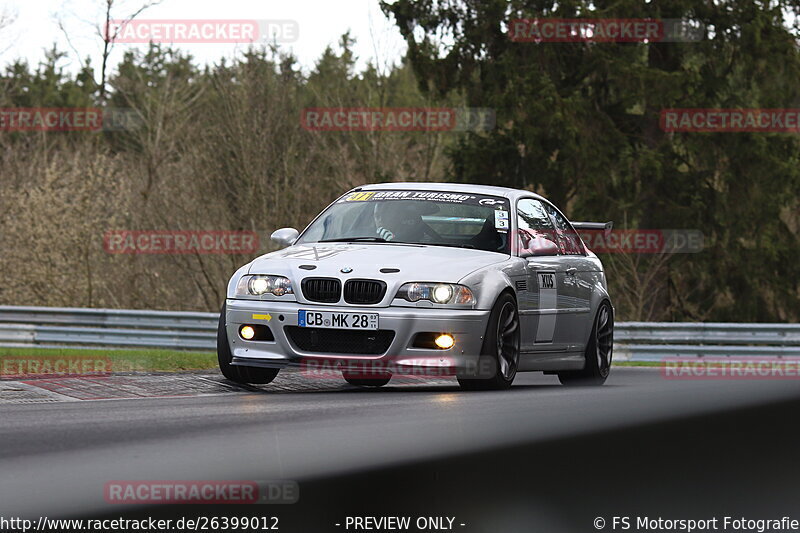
point(385, 234)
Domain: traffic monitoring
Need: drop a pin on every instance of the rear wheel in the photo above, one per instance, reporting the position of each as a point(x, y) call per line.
point(361, 380)
point(500, 351)
point(235, 373)
point(598, 352)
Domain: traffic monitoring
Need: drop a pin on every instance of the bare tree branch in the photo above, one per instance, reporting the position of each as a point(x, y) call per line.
point(108, 38)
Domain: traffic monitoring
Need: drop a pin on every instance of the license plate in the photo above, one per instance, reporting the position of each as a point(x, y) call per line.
point(334, 320)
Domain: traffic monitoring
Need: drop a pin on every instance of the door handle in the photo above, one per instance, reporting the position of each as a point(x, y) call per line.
point(572, 271)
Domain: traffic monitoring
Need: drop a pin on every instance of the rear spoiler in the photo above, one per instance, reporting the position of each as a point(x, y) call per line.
point(597, 226)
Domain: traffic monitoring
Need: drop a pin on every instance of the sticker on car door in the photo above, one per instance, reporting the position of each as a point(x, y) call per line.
point(548, 305)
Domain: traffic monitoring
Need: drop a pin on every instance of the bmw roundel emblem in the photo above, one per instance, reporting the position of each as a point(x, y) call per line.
point(346, 270)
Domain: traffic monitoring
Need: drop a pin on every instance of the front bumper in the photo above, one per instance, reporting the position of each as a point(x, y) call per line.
point(466, 326)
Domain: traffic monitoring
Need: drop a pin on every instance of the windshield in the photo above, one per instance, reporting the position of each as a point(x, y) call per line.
point(415, 217)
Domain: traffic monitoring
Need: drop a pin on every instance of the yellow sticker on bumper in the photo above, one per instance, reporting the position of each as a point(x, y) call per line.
point(262, 317)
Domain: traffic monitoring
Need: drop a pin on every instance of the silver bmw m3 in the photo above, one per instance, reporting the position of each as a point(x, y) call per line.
point(470, 281)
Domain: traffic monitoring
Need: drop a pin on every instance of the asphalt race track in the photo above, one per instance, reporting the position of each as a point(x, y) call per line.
point(539, 457)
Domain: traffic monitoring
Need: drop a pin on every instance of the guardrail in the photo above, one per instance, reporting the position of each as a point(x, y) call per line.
point(121, 328)
point(653, 341)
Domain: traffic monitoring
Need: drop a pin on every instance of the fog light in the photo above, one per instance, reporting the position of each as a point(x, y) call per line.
point(247, 332)
point(445, 341)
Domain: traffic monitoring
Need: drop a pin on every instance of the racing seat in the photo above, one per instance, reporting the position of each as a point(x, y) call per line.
point(488, 238)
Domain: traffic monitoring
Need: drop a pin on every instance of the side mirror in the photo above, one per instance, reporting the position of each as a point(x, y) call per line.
point(284, 236)
point(539, 246)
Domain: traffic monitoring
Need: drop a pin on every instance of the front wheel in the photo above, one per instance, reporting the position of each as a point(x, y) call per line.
point(238, 374)
point(598, 352)
point(500, 351)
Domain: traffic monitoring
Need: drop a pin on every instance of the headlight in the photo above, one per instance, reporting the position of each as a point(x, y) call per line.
point(440, 293)
point(258, 285)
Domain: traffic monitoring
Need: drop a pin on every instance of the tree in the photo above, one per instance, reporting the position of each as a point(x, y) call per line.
point(579, 122)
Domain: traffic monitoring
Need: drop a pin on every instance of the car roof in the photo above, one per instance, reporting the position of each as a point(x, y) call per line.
point(489, 190)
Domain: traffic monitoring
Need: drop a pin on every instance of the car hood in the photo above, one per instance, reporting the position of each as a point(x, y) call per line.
point(415, 263)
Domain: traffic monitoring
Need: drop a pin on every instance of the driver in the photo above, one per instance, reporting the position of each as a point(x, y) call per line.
point(399, 221)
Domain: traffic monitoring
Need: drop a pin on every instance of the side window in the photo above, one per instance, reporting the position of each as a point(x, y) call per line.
point(534, 229)
point(568, 239)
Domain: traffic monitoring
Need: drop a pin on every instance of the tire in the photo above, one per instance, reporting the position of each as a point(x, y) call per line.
point(598, 352)
point(500, 350)
point(359, 381)
point(238, 374)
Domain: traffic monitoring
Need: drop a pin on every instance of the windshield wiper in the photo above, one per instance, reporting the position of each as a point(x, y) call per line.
point(449, 245)
point(381, 239)
point(356, 239)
